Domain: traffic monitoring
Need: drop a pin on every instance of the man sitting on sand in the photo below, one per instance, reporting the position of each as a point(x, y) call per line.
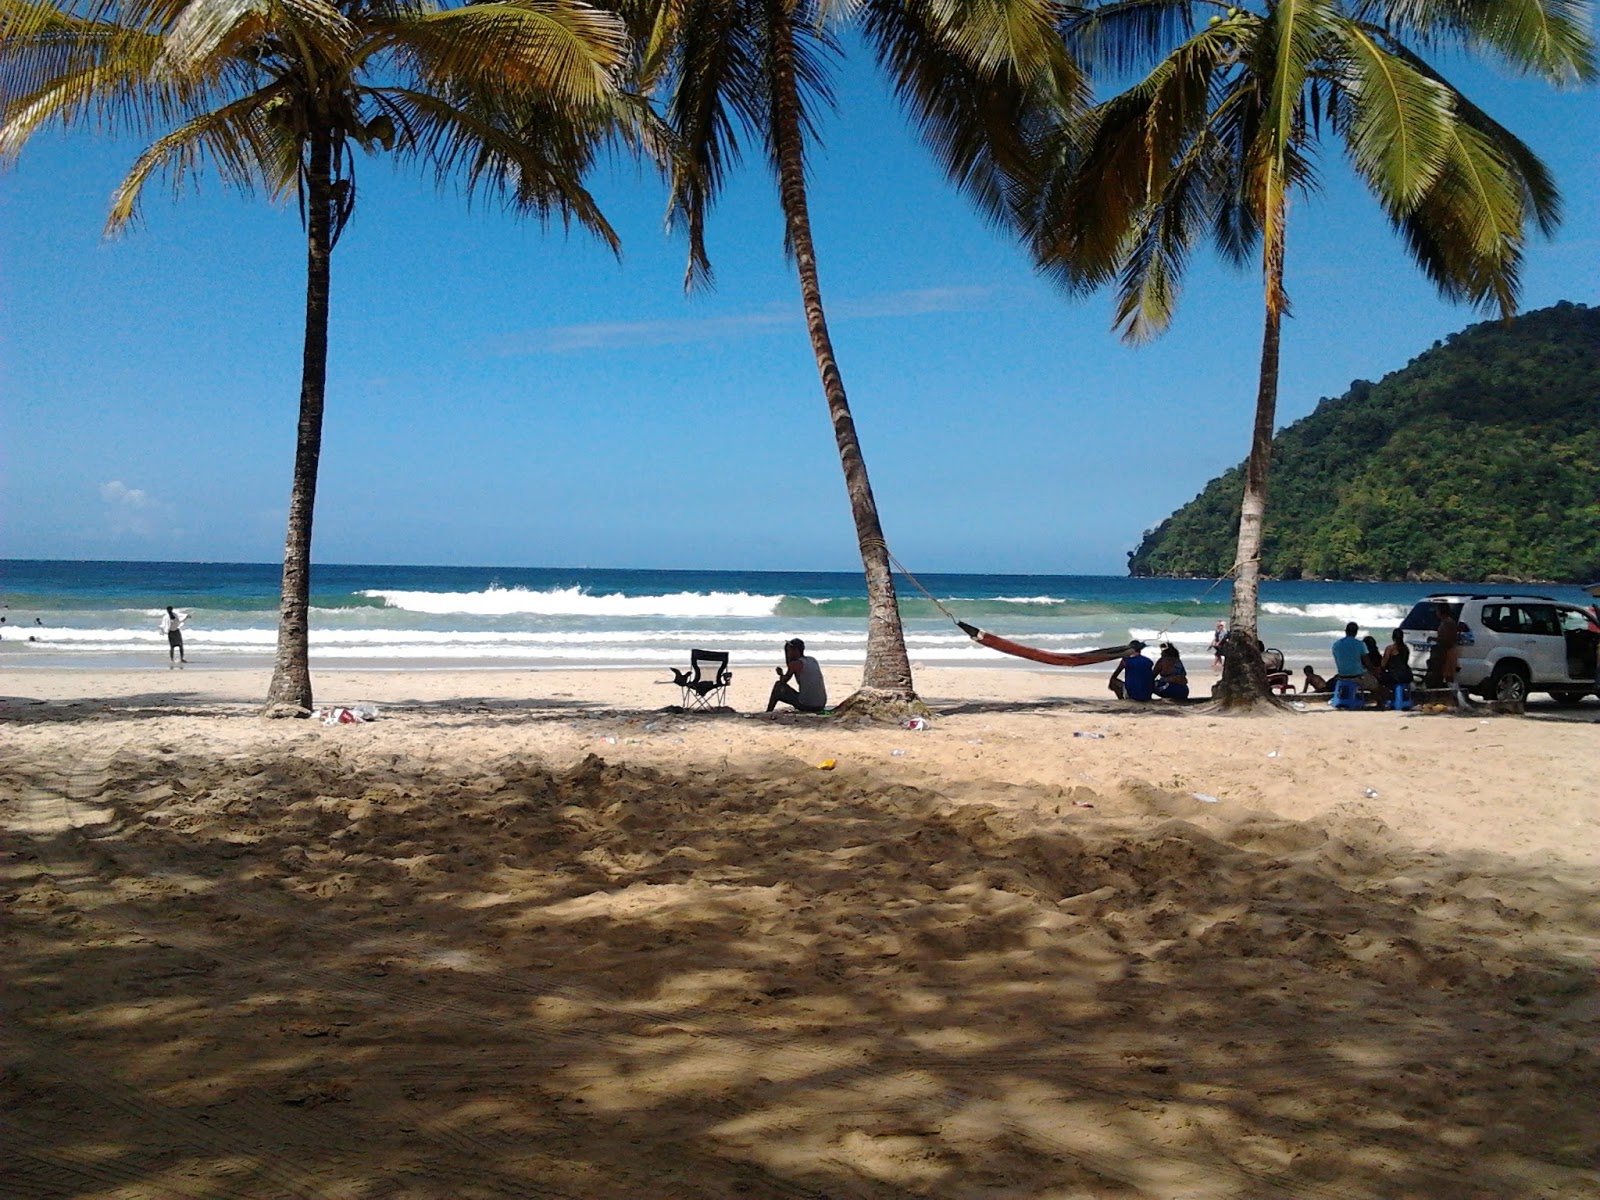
point(811, 694)
point(1135, 676)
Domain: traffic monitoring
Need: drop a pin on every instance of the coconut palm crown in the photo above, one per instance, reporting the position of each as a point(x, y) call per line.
point(1225, 125)
point(978, 77)
point(510, 98)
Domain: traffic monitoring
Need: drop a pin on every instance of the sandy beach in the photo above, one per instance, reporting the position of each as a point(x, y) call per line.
point(528, 934)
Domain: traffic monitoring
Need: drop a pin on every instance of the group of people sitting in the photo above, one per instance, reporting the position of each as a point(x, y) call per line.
point(1376, 672)
point(1137, 678)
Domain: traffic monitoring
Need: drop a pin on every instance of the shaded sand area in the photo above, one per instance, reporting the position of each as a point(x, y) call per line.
point(526, 936)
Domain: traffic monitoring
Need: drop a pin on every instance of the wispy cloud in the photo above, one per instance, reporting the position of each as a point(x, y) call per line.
point(606, 335)
point(130, 512)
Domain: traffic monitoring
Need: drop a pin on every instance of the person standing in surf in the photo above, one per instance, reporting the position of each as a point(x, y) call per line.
point(172, 623)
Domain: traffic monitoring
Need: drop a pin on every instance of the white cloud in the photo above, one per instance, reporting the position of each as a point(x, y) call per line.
point(603, 335)
point(130, 511)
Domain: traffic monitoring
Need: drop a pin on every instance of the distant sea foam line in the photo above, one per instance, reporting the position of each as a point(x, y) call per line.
point(1374, 615)
point(575, 602)
point(255, 638)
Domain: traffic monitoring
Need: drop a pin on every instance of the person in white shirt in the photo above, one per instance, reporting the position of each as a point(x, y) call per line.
point(810, 694)
point(172, 623)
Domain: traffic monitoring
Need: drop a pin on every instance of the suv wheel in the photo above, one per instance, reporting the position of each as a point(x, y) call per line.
point(1509, 683)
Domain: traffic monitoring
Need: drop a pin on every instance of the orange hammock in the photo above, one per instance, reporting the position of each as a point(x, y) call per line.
point(1086, 659)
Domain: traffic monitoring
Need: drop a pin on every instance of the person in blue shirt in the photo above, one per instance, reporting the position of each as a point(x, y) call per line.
point(1347, 652)
point(1135, 676)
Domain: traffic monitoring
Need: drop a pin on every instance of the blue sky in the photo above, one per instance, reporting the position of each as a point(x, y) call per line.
point(505, 395)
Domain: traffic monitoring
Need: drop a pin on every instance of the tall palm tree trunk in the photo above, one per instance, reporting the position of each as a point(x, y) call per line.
point(291, 671)
point(887, 674)
point(1244, 679)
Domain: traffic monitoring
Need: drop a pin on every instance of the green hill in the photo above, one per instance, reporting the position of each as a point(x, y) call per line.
point(1480, 460)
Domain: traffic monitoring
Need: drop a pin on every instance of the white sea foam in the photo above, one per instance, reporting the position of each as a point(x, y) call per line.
point(576, 602)
point(1362, 614)
point(1178, 637)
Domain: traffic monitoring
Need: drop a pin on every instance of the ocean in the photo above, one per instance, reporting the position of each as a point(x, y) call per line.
point(105, 614)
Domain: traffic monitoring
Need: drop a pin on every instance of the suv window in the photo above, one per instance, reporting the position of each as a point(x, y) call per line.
point(1502, 618)
point(1424, 615)
point(1574, 618)
point(1541, 619)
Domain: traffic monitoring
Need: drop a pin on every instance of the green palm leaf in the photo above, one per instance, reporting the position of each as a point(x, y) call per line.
point(236, 141)
point(565, 51)
point(1547, 38)
point(1397, 121)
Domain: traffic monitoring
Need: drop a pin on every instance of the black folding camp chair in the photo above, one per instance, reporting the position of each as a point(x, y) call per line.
point(705, 683)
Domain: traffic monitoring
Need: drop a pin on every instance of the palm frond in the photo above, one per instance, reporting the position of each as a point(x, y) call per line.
point(1397, 118)
point(1129, 35)
point(1281, 59)
point(535, 168)
point(1467, 233)
point(1164, 238)
point(1542, 197)
point(207, 33)
point(236, 140)
point(1548, 38)
point(90, 73)
point(552, 48)
point(704, 55)
point(997, 36)
point(983, 122)
point(1125, 151)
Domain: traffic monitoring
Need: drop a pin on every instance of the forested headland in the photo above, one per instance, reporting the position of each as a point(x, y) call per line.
point(1477, 461)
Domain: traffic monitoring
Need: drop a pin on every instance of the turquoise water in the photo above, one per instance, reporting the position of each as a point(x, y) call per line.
point(98, 614)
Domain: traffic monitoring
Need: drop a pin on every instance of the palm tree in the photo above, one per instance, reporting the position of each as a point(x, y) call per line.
point(976, 77)
point(1223, 129)
point(512, 98)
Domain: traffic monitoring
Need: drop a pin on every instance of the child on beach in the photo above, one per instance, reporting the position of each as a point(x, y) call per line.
point(1315, 682)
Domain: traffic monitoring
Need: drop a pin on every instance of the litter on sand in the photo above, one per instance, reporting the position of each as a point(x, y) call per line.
point(347, 716)
point(1204, 798)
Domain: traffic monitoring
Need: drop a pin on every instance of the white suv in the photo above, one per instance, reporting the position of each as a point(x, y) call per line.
point(1518, 644)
